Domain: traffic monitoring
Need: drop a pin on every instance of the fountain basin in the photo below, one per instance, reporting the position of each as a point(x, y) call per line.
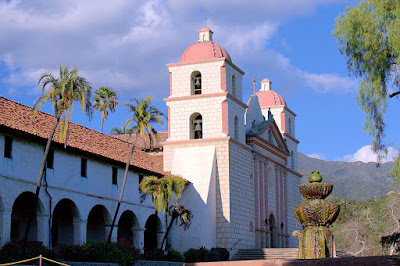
point(320, 214)
point(316, 190)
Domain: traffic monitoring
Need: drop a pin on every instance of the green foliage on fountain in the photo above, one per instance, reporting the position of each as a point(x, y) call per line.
point(316, 239)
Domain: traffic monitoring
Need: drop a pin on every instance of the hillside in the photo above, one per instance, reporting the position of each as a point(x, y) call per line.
point(351, 180)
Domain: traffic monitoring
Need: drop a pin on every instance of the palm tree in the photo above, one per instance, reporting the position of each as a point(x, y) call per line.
point(105, 99)
point(63, 92)
point(178, 211)
point(144, 114)
point(118, 131)
point(161, 190)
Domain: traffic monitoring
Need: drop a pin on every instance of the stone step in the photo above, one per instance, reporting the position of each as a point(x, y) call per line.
point(265, 254)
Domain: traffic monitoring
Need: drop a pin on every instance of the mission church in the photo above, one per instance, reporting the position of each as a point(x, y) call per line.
point(240, 159)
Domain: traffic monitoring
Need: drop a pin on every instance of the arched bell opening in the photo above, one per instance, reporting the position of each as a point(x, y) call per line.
point(153, 232)
point(233, 85)
point(236, 127)
point(196, 83)
point(21, 212)
point(65, 223)
point(98, 219)
point(128, 227)
point(196, 126)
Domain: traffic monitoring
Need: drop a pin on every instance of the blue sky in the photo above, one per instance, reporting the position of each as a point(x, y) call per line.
point(126, 44)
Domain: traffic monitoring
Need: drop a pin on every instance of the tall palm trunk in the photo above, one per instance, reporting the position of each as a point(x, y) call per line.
point(167, 232)
point(120, 195)
point(102, 121)
point(39, 182)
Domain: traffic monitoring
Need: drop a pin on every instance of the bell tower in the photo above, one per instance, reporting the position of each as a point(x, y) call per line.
point(206, 139)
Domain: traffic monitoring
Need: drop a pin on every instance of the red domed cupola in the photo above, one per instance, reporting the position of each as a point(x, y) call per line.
point(204, 49)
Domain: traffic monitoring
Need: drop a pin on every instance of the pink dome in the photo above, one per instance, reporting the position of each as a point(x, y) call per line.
point(270, 98)
point(200, 51)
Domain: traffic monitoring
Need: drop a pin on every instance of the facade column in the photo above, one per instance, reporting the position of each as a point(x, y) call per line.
point(262, 207)
point(286, 208)
point(281, 208)
point(5, 215)
point(277, 219)
point(80, 230)
point(43, 229)
point(266, 236)
point(256, 202)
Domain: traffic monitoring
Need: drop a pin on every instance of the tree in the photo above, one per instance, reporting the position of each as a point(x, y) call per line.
point(63, 92)
point(144, 115)
point(178, 211)
point(161, 191)
point(118, 131)
point(105, 99)
point(368, 36)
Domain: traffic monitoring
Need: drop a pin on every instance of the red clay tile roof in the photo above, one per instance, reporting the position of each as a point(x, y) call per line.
point(144, 143)
point(19, 117)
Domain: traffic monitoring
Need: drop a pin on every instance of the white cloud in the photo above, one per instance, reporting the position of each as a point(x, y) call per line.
point(330, 83)
point(126, 44)
point(365, 154)
point(316, 156)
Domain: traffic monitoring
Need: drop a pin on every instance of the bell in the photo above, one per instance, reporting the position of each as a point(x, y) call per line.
point(197, 127)
point(197, 83)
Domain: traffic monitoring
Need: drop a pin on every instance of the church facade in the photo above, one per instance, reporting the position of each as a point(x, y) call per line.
point(240, 159)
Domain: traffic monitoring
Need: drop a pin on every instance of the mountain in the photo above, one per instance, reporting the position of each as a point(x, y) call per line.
point(351, 180)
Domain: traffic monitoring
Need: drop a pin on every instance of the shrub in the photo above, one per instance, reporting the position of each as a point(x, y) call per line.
point(14, 250)
point(97, 251)
point(198, 255)
point(169, 255)
point(219, 254)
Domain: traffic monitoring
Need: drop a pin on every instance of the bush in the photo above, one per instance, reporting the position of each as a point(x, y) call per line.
point(198, 255)
point(219, 254)
point(97, 251)
point(14, 251)
point(169, 255)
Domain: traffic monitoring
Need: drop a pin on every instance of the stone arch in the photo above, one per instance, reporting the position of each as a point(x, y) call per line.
point(98, 219)
point(65, 223)
point(196, 126)
point(273, 232)
point(128, 229)
point(196, 83)
point(21, 212)
point(153, 232)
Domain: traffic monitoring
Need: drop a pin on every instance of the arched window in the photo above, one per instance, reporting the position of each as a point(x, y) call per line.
point(196, 126)
point(196, 85)
point(270, 137)
point(292, 159)
point(236, 123)
point(290, 126)
point(233, 85)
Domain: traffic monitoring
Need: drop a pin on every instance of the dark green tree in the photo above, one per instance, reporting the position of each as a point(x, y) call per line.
point(368, 35)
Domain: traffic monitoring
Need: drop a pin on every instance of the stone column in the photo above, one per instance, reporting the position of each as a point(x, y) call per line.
point(256, 202)
point(261, 201)
point(43, 229)
point(138, 237)
point(80, 230)
point(5, 226)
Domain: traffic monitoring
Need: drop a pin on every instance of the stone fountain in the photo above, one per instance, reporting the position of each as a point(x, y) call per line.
point(316, 239)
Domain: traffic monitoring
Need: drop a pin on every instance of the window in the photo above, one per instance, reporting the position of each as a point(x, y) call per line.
point(114, 175)
point(292, 159)
point(8, 146)
point(233, 85)
point(196, 83)
point(270, 137)
point(196, 126)
point(50, 159)
point(290, 126)
point(83, 167)
point(236, 124)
